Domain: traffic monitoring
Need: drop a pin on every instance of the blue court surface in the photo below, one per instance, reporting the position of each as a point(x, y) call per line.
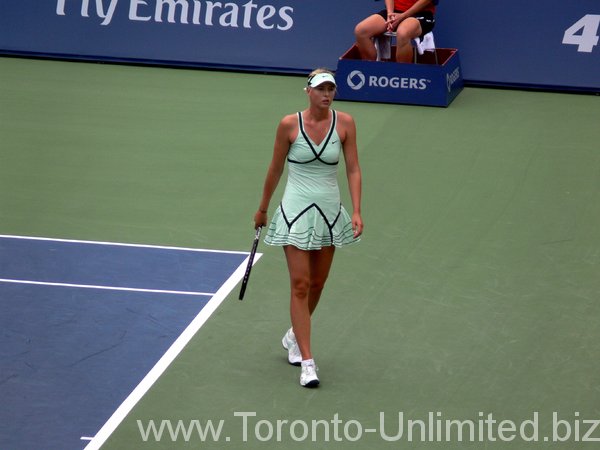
point(87, 327)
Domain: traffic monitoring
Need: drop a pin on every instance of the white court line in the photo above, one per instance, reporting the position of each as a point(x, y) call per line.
point(108, 288)
point(118, 244)
point(140, 390)
point(136, 395)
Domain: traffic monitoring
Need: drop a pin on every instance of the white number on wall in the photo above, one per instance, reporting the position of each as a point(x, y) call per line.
point(583, 33)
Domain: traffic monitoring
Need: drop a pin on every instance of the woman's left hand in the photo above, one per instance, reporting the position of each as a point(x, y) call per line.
point(393, 22)
point(357, 224)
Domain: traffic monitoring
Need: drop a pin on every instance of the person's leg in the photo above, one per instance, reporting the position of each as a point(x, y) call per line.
point(407, 30)
point(373, 25)
point(308, 273)
point(320, 264)
point(298, 262)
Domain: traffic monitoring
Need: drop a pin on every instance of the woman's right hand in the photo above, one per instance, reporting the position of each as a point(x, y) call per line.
point(260, 219)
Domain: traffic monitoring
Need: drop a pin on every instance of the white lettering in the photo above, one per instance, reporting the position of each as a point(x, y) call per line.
point(204, 431)
point(172, 9)
point(315, 429)
point(534, 423)
point(109, 14)
point(398, 82)
point(197, 12)
point(268, 425)
point(504, 427)
point(359, 430)
point(433, 428)
point(264, 13)
point(587, 436)
point(583, 33)
point(280, 424)
point(248, 7)
point(210, 6)
point(382, 431)
point(460, 425)
point(85, 8)
point(60, 8)
point(287, 18)
point(133, 11)
point(244, 416)
point(302, 424)
point(230, 18)
point(452, 78)
point(336, 421)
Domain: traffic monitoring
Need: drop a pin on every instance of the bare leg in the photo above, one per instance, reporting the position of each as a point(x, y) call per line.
point(364, 32)
point(308, 273)
point(407, 30)
point(320, 264)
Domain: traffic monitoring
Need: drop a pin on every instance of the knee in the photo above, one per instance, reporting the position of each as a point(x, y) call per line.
point(300, 288)
point(316, 286)
point(402, 37)
point(408, 30)
point(362, 31)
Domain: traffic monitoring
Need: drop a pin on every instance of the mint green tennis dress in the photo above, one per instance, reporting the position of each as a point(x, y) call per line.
point(310, 215)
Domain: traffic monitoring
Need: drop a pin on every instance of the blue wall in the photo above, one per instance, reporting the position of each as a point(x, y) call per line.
point(504, 43)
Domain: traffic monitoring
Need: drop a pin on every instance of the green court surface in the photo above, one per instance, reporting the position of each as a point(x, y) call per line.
point(473, 296)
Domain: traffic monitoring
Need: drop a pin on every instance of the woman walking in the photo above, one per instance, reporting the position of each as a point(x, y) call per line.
point(310, 221)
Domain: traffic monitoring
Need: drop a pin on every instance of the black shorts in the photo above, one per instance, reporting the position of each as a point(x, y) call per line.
point(425, 18)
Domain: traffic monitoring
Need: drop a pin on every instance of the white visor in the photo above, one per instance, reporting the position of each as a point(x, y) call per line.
point(321, 78)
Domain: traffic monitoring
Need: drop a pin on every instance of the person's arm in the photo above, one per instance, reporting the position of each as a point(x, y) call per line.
point(280, 151)
point(353, 171)
point(389, 6)
point(391, 15)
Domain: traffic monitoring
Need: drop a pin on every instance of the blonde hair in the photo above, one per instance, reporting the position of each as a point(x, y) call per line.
point(317, 71)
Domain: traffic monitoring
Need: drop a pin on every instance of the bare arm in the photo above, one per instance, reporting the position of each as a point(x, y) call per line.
point(389, 6)
point(353, 172)
point(280, 151)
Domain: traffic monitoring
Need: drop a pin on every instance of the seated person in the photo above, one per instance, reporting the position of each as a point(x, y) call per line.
point(408, 18)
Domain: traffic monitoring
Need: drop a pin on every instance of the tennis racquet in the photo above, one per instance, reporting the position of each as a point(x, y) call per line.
point(250, 261)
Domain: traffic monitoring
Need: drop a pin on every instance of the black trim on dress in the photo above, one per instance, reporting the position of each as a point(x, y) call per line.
point(324, 144)
point(312, 205)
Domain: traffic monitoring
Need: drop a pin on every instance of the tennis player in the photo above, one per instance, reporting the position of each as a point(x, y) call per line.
point(408, 18)
point(310, 222)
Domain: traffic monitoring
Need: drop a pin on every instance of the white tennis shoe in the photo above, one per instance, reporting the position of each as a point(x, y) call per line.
point(289, 343)
point(308, 376)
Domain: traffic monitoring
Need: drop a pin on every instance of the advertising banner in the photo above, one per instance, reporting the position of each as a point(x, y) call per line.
point(548, 44)
point(390, 82)
point(544, 44)
point(275, 35)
